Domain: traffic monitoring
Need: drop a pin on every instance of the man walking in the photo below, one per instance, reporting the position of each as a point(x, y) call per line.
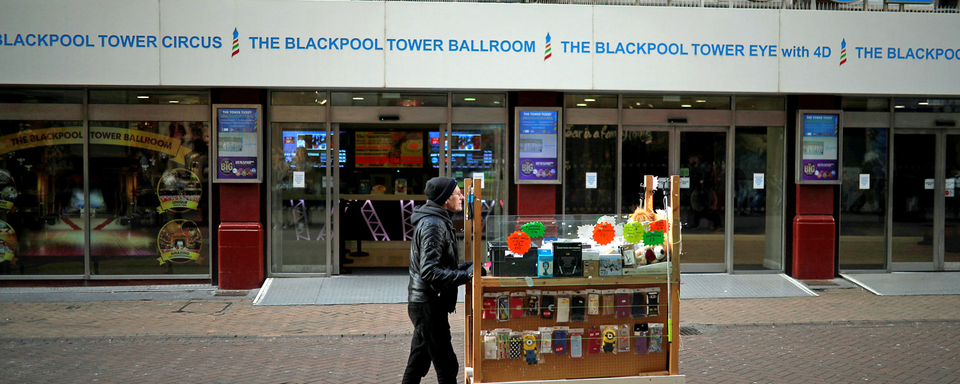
point(434, 278)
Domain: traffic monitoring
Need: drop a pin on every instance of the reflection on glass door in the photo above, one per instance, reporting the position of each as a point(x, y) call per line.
point(914, 200)
point(645, 152)
point(380, 181)
point(299, 212)
point(41, 198)
point(951, 225)
point(148, 198)
point(592, 149)
point(758, 198)
point(478, 149)
point(702, 209)
point(863, 206)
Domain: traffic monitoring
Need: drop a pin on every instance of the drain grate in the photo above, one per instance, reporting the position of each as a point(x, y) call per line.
point(698, 329)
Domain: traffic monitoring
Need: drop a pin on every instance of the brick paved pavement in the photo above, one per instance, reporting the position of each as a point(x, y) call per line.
point(843, 336)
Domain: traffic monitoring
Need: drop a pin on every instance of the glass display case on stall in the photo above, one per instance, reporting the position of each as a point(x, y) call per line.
point(574, 297)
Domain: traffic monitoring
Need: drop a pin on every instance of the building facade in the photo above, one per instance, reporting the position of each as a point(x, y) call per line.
point(108, 108)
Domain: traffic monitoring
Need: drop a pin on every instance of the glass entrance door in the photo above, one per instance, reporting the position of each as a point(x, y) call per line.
point(380, 177)
point(915, 201)
point(698, 155)
point(863, 205)
point(951, 224)
point(703, 156)
point(300, 213)
point(758, 198)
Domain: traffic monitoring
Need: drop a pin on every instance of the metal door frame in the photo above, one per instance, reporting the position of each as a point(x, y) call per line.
point(302, 114)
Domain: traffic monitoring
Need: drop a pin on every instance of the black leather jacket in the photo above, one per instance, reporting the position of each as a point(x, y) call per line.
point(434, 254)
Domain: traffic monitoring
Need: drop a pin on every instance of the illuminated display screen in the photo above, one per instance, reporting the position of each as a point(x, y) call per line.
point(467, 151)
point(311, 144)
point(383, 149)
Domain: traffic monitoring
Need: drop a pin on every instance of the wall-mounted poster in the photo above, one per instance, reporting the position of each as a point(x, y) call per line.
point(819, 136)
point(539, 152)
point(238, 144)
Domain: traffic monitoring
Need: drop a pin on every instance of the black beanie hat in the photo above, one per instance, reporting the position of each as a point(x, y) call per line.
point(439, 189)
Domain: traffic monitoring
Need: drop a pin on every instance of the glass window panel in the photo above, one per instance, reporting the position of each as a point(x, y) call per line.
point(480, 100)
point(299, 214)
point(40, 96)
point(149, 96)
point(644, 153)
point(866, 104)
point(952, 201)
point(758, 217)
point(590, 148)
point(41, 194)
point(863, 214)
point(480, 148)
point(913, 203)
point(590, 101)
point(388, 99)
point(760, 103)
point(298, 98)
point(702, 208)
point(926, 105)
point(676, 102)
point(149, 197)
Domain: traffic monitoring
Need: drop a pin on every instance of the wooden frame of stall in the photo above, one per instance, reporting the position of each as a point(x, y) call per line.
point(607, 368)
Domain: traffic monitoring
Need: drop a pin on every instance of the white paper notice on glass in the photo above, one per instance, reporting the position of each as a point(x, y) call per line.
point(950, 187)
point(927, 183)
point(478, 175)
point(591, 180)
point(758, 181)
point(684, 183)
point(864, 181)
point(298, 180)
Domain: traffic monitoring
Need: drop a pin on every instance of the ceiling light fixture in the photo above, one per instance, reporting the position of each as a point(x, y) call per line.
point(357, 98)
point(686, 106)
point(589, 99)
point(143, 97)
point(701, 101)
point(469, 99)
point(581, 104)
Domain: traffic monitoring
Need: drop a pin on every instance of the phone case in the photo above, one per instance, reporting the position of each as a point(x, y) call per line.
point(576, 346)
point(547, 307)
point(503, 308)
point(560, 342)
point(593, 340)
point(578, 310)
point(563, 309)
point(516, 307)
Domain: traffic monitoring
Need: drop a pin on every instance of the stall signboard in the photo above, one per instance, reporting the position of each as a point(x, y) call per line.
point(819, 140)
point(238, 143)
point(539, 148)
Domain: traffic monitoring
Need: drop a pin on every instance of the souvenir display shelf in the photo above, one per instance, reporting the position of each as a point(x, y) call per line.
point(621, 367)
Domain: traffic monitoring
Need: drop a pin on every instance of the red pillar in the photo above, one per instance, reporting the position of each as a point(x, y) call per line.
point(240, 261)
point(814, 233)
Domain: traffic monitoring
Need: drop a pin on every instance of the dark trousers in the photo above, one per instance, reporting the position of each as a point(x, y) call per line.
point(431, 343)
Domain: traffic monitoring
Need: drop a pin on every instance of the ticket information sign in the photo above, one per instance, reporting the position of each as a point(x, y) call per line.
point(238, 141)
point(819, 143)
point(539, 152)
